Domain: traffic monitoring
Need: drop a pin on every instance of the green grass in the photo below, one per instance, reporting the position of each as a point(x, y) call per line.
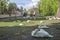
point(25, 23)
point(8, 23)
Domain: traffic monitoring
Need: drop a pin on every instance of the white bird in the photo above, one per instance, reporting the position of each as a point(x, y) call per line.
point(40, 33)
point(42, 26)
point(28, 21)
point(20, 24)
point(41, 22)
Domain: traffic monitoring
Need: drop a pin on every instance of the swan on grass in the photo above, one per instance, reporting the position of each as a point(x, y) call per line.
point(42, 26)
point(28, 21)
point(41, 22)
point(40, 33)
point(21, 24)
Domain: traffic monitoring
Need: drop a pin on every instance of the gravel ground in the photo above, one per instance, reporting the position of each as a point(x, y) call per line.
point(24, 33)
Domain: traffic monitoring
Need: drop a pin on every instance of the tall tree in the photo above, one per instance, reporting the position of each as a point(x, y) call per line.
point(11, 8)
point(3, 6)
point(47, 7)
point(31, 10)
point(25, 12)
point(21, 8)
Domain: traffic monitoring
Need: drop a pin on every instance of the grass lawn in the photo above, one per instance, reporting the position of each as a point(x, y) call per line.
point(25, 23)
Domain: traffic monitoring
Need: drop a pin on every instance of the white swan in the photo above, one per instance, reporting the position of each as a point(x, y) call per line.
point(41, 22)
point(28, 21)
point(40, 33)
point(42, 26)
point(21, 24)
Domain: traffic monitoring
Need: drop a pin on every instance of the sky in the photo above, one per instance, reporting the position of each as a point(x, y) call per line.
point(25, 3)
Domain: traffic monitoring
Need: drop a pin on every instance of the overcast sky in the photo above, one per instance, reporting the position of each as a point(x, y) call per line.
point(25, 3)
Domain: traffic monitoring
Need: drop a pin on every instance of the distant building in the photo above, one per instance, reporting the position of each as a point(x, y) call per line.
point(17, 12)
point(34, 12)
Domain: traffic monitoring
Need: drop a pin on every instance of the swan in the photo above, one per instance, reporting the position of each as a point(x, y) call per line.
point(28, 21)
point(41, 22)
point(42, 26)
point(40, 33)
point(20, 24)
